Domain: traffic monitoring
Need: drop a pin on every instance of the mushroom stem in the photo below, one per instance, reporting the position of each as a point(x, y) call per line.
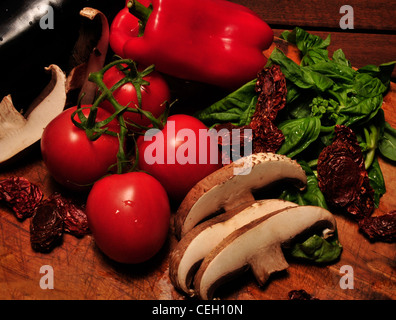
point(202, 239)
point(274, 261)
point(258, 245)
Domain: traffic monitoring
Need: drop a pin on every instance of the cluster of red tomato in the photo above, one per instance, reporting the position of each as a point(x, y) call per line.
point(128, 213)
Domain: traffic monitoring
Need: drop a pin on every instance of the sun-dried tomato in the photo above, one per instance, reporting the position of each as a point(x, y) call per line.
point(51, 217)
point(271, 87)
point(74, 217)
point(342, 176)
point(21, 195)
point(46, 226)
point(380, 228)
point(232, 146)
point(266, 137)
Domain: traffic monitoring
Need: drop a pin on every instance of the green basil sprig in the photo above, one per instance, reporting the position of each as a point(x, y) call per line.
point(322, 92)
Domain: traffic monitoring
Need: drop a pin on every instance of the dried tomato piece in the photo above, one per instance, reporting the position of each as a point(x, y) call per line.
point(300, 295)
point(21, 195)
point(46, 226)
point(266, 136)
point(232, 145)
point(342, 176)
point(380, 228)
point(74, 217)
point(271, 89)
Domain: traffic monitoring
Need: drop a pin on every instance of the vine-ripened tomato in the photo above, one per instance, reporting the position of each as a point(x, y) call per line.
point(71, 158)
point(176, 155)
point(128, 215)
point(153, 100)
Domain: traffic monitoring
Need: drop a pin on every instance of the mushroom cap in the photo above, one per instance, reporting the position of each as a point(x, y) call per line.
point(232, 186)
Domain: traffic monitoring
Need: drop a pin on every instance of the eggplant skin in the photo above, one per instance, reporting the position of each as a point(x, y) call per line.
point(26, 48)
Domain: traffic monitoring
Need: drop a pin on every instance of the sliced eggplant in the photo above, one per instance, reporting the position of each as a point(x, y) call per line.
point(26, 47)
point(89, 58)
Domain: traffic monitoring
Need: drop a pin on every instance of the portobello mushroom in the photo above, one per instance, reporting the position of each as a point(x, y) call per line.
point(228, 187)
point(202, 239)
point(258, 245)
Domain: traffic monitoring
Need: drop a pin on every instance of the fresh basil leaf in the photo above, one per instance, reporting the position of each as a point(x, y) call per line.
point(339, 58)
point(367, 86)
point(335, 71)
point(377, 181)
point(299, 134)
point(312, 195)
point(304, 40)
point(300, 107)
point(364, 100)
point(315, 248)
point(293, 92)
point(313, 47)
point(286, 35)
point(387, 144)
point(238, 107)
point(358, 93)
point(314, 56)
point(304, 78)
point(318, 249)
point(382, 72)
point(360, 110)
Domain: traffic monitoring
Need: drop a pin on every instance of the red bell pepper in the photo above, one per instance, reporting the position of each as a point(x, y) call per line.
point(212, 41)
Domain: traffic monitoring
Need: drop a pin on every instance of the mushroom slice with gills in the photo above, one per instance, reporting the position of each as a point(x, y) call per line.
point(258, 245)
point(203, 238)
point(17, 131)
point(231, 187)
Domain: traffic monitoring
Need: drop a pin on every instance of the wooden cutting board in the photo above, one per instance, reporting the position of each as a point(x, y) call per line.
point(81, 271)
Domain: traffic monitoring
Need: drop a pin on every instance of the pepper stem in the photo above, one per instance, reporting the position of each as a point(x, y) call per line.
point(139, 11)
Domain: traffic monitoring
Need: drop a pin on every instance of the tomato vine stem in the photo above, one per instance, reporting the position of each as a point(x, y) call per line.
point(95, 129)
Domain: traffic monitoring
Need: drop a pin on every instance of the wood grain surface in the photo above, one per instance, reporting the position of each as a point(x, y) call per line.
point(82, 272)
point(371, 41)
point(374, 16)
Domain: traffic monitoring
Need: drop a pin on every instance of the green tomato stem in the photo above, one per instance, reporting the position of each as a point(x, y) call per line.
point(324, 129)
point(372, 138)
point(94, 129)
point(313, 163)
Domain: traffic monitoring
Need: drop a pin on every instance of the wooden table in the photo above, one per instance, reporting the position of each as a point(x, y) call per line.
point(81, 271)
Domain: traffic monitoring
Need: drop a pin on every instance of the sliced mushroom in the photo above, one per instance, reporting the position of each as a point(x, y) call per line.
point(258, 245)
point(228, 187)
point(202, 239)
point(18, 132)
